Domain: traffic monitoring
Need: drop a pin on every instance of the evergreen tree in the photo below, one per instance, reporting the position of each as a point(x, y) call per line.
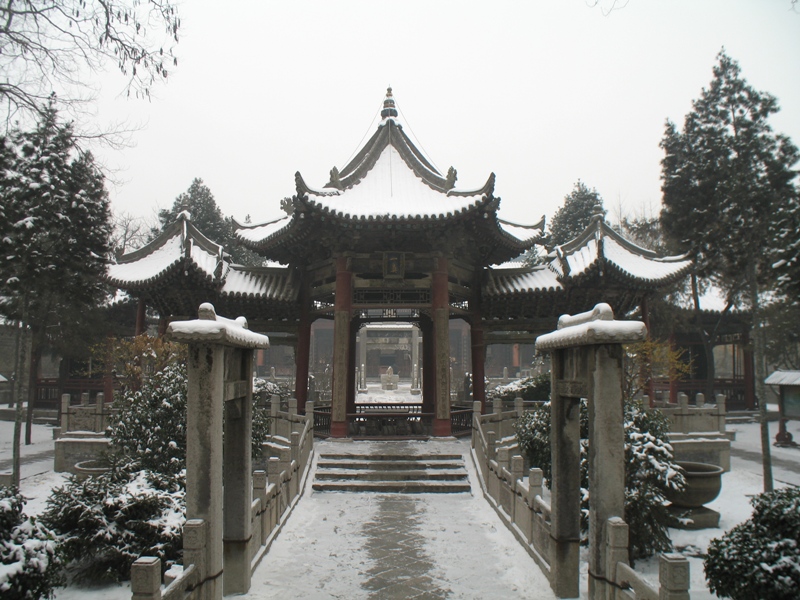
point(728, 182)
point(54, 231)
point(199, 202)
point(571, 219)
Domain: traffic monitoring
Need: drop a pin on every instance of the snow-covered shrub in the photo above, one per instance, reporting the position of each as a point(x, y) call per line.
point(529, 388)
point(151, 425)
point(649, 469)
point(29, 565)
point(108, 521)
point(763, 552)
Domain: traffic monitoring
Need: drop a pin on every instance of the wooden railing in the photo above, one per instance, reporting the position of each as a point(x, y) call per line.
point(461, 422)
point(49, 391)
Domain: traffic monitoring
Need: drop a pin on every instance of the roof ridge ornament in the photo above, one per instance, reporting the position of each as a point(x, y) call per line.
point(389, 109)
point(450, 181)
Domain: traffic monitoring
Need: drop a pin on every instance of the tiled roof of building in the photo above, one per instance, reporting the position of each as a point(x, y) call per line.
point(600, 249)
point(181, 246)
point(389, 181)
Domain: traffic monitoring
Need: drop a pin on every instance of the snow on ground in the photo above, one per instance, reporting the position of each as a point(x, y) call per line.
point(738, 486)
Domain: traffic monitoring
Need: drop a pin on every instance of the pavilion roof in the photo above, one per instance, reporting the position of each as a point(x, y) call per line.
point(182, 251)
point(180, 247)
point(389, 182)
point(600, 250)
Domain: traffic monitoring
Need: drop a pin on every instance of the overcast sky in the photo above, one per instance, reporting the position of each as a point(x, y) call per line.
point(540, 92)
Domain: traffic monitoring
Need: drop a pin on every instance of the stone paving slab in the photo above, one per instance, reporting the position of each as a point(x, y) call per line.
point(390, 546)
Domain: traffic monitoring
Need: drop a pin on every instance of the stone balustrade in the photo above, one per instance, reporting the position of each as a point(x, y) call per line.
point(517, 497)
point(276, 491)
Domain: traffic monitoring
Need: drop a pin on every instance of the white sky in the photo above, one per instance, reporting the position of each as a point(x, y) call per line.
point(542, 92)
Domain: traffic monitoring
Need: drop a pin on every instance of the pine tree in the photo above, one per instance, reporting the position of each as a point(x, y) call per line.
point(54, 232)
point(199, 202)
point(571, 219)
point(728, 182)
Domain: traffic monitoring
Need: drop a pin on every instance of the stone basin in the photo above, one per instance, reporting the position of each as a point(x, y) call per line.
point(703, 483)
point(90, 468)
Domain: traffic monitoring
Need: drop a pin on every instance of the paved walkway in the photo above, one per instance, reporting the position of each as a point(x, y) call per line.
point(393, 546)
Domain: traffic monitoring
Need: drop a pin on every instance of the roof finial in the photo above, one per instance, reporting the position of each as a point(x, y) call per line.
point(388, 105)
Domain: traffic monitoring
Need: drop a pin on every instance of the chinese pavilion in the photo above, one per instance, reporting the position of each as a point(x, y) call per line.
point(390, 239)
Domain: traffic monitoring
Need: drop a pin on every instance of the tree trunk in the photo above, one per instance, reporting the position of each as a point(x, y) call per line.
point(708, 347)
point(22, 347)
point(759, 357)
point(36, 358)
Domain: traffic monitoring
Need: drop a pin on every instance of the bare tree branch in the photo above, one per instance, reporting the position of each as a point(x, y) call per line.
point(48, 46)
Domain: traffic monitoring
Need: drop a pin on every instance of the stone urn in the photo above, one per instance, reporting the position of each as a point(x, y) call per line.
point(90, 468)
point(703, 483)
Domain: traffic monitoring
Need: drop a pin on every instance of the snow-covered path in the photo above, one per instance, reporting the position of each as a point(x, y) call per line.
point(368, 545)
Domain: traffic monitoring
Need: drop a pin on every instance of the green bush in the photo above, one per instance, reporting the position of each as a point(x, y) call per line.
point(649, 470)
point(763, 552)
point(108, 521)
point(529, 388)
point(29, 565)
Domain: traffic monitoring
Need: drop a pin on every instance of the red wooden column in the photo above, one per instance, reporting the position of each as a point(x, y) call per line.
point(428, 365)
point(303, 352)
point(141, 312)
point(644, 307)
point(440, 303)
point(351, 368)
point(478, 362)
point(342, 306)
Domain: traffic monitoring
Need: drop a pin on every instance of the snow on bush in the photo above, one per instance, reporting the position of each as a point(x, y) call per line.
point(108, 521)
point(763, 552)
point(29, 565)
point(529, 388)
point(649, 469)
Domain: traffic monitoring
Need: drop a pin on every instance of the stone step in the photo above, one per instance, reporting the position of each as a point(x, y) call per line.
point(391, 473)
point(408, 487)
point(410, 475)
point(383, 457)
point(386, 465)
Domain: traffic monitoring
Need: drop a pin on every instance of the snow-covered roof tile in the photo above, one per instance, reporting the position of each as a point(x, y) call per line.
point(521, 280)
point(783, 378)
point(148, 267)
point(523, 233)
point(258, 233)
point(391, 190)
point(640, 266)
point(272, 284)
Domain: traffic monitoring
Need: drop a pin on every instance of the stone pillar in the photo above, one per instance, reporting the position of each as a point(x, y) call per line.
point(414, 357)
point(220, 387)
point(146, 578)
point(440, 305)
point(362, 357)
point(606, 457)
point(341, 346)
point(303, 351)
point(237, 473)
point(205, 367)
point(587, 363)
point(566, 485)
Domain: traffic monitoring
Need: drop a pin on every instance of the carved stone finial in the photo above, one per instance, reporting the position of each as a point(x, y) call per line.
point(450, 181)
point(389, 109)
point(206, 312)
point(335, 182)
point(597, 212)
